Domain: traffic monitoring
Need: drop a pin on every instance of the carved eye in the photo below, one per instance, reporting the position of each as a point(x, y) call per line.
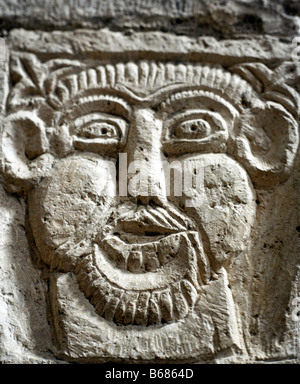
point(195, 131)
point(99, 130)
point(192, 129)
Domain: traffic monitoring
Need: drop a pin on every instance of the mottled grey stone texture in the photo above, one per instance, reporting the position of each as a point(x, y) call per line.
point(88, 275)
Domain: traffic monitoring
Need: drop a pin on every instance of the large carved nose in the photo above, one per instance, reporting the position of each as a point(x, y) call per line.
point(145, 177)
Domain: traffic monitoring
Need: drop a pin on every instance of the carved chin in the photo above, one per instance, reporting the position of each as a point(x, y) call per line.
point(167, 269)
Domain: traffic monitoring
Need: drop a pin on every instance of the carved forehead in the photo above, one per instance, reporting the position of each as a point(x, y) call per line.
point(148, 80)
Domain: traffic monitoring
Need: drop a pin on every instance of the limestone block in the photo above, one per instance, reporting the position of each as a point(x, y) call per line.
point(149, 208)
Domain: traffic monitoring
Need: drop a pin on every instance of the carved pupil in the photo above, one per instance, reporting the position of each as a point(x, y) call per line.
point(193, 129)
point(99, 130)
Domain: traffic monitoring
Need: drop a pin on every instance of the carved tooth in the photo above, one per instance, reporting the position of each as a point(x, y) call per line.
point(83, 264)
point(189, 292)
point(90, 289)
point(135, 261)
point(88, 267)
point(151, 263)
point(120, 311)
point(82, 278)
point(169, 248)
point(116, 254)
point(166, 306)
point(141, 314)
point(82, 271)
point(80, 266)
point(121, 261)
point(100, 306)
point(96, 296)
point(130, 309)
point(129, 313)
point(154, 315)
point(111, 307)
point(102, 289)
point(180, 305)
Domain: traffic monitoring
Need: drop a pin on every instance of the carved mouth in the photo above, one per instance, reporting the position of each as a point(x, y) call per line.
point(143, 283)
point(147, 237)
point(146, 268)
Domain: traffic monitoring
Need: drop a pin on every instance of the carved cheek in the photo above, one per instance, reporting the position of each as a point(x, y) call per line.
point(223, 205)
point(66, 210)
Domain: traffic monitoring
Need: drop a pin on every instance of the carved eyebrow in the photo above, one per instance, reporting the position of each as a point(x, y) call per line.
point(171, 102)
point(101, 103)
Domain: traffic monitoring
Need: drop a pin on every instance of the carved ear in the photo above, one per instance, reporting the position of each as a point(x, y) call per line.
point(23, 150)
point(267, 143)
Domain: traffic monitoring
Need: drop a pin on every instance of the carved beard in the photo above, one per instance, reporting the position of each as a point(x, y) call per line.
point(148, 247)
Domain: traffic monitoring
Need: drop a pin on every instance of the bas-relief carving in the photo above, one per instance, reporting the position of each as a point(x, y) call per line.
point(143, 275)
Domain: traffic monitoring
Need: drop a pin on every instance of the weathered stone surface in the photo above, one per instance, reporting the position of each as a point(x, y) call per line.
point(149, 209)
point(189, 17)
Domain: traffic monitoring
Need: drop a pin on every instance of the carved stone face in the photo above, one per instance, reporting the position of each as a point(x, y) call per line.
point(143, 258)
point(143, 255)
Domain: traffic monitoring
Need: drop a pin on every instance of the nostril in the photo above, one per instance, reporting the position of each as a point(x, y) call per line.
point(152, 201)
point(142, 200)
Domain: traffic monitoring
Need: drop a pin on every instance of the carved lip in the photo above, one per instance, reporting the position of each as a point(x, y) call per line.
point(142, 238)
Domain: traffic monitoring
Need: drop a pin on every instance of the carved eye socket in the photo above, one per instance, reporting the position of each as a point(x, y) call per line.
point(192, 129)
